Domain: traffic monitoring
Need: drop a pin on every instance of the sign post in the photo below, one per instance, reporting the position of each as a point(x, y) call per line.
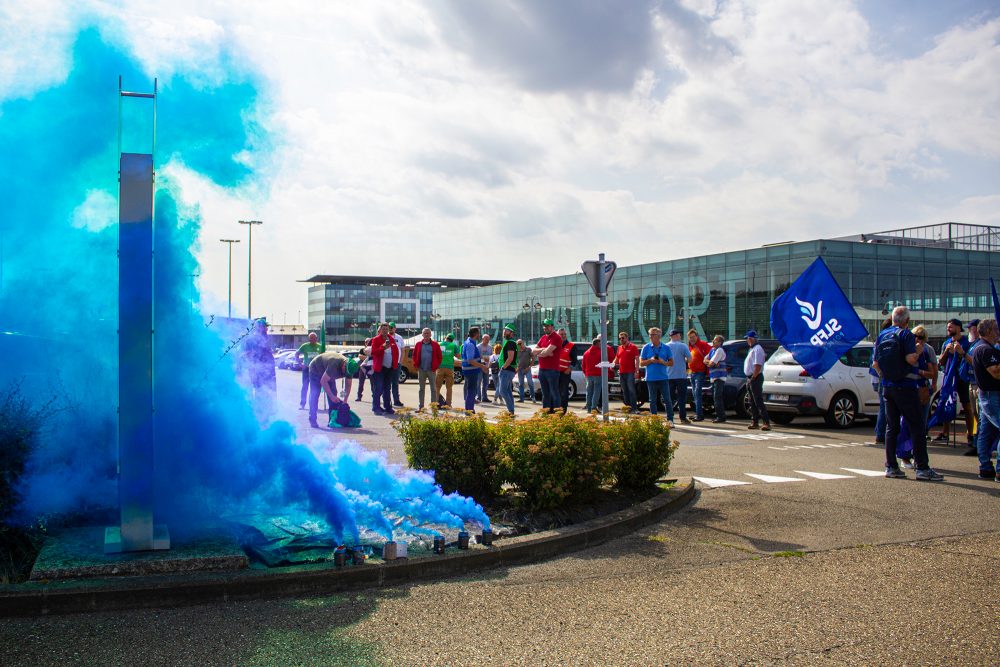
point(599, 276)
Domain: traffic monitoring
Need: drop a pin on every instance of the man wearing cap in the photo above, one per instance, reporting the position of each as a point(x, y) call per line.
point(324, 370)
point(446, 371)
point(507, 360)
point(308, 352)
point(394, 377)
point(427, 358)
point(958, 350)
point(753, 368)
point(677, 382)
point(547, 353)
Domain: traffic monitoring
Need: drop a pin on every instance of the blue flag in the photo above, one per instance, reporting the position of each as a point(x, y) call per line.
point(814, 320)
point(947, 407)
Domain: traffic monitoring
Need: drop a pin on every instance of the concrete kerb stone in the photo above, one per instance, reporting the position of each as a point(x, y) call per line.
point(206, 587)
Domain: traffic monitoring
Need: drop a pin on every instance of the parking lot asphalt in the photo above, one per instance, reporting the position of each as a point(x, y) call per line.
point(796, 551)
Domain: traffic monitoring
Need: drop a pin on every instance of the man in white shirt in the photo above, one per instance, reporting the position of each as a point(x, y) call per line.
point(395, 376)
point(753, 368)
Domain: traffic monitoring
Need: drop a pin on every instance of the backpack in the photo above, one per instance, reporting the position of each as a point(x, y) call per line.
point(890, 357)
point(965, 369)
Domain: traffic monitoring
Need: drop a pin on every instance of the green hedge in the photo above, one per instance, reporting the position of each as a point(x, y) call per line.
point(554, 460)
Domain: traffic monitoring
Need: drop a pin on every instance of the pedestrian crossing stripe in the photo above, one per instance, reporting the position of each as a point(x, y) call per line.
point(773, 479)
point(866, 473)
point(823, 475)
point(714, 483)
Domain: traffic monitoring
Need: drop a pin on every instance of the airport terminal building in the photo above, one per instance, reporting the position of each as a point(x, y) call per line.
point(349, 306)
point(938, 271)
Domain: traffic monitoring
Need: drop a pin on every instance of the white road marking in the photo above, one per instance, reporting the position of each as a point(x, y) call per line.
point(704, 428)
point(866, 473)
point(823, 475)
point(773, 479)
point(713, 483)
point(768, 436)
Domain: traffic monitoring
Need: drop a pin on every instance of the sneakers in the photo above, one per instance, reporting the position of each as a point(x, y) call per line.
point(895, 473)
point(971, 451)
point(987, 474)
point(908, 464)
point(698, 419)
point(765, 427)
point(879, 443)
point(314, 424)
point(399, 404)
point(302, 407)
point(929, 475)
point(940, 438)
point(753, 426)
point(718, 421)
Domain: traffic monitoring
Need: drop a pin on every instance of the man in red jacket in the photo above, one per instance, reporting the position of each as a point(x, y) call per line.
point(385, 362)
point(628, 354)
point(592, 371)
point(427, 359)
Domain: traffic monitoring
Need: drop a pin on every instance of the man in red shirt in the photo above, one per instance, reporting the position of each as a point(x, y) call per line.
point(699, 372)
point(385, 362)
point(628, 353)
point(592, 371)
point(547, 352)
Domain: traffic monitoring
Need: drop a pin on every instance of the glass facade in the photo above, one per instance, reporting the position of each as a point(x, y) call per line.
point(732, 292)
point(349, 307)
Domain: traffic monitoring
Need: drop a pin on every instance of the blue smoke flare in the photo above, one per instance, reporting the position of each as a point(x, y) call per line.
point(58, 317)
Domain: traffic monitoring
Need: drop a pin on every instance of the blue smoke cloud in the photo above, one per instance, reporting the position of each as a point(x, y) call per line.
point(58, 318)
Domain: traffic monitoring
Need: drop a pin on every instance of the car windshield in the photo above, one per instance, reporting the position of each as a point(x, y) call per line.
point(782, 356)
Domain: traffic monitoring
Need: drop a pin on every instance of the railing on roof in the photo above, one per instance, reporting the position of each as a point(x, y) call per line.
point(953, 235)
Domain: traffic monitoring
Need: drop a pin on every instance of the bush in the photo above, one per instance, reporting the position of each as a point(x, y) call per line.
point(19, 424)
point(644, 451)
point(554, 460)
point(462, 452)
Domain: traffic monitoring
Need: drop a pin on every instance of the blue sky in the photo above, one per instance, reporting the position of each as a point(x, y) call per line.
point(475, 139)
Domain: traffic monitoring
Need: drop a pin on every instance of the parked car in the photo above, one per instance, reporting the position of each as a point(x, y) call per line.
point(407, 369)
point(841, 395)
point(285, 359)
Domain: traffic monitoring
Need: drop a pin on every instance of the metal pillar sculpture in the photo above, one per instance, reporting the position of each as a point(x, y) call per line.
point(136, 435)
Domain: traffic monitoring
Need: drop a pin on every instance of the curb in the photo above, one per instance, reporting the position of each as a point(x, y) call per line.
point(200, 588)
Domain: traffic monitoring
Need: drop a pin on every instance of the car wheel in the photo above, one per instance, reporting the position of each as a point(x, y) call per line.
point(743, 410)
point(404, 375)
point(572, 389)
point(641, 394)
point(783, 418)
point(843, 411)
point(458, 376)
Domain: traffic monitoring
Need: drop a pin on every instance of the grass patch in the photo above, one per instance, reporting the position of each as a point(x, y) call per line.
point(658, 538)
point(789, 554)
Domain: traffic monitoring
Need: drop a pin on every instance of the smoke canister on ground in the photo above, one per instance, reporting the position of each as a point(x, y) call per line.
point(486, 539)
point(463, 540)
point(439, 544)
point(340, 556)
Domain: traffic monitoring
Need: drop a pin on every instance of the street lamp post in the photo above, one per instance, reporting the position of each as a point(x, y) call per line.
point(531, 306)
point(250, 224)
point(230, 242)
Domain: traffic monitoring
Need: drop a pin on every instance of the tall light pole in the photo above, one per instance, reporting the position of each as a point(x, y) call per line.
point(230, 242)
point(250, 224)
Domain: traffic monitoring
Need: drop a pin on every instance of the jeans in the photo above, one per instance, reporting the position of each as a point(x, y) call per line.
point(484, 389)
point(445, 377)
point(881, 421)
point(429, 378)
point(758, 411)
point(506, 389)
point(593, 393)
point(495, 374)
point(471, 387)
point(315, 389)
point(658, 388)
point(549, 379)
point(678, 393)
point(382, 389)
point(305, 387)
point(697, 383)
point(394, 383)
point(564, 396)
point(719, 398)
point(524, 377)
point(361, 384)
point(904, 402)
point(989, 427)
point(627, 381)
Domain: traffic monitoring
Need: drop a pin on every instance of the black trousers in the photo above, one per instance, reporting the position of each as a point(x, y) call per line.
point(904, 402)
point(564, 390)
point(758, 411)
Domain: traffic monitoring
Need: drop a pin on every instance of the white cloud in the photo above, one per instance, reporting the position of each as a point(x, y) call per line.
point(414, 140)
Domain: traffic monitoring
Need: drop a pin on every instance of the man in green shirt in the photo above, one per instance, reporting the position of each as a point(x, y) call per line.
point(308, 352)
point(446, 371)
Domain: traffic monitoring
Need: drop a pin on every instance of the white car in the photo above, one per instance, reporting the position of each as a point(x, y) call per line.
point(840, 396)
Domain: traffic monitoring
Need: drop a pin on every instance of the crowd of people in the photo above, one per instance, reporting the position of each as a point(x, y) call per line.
point(905, 372)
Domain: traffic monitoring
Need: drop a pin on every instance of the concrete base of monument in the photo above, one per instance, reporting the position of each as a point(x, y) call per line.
point(79, 553)
point(113, 539)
